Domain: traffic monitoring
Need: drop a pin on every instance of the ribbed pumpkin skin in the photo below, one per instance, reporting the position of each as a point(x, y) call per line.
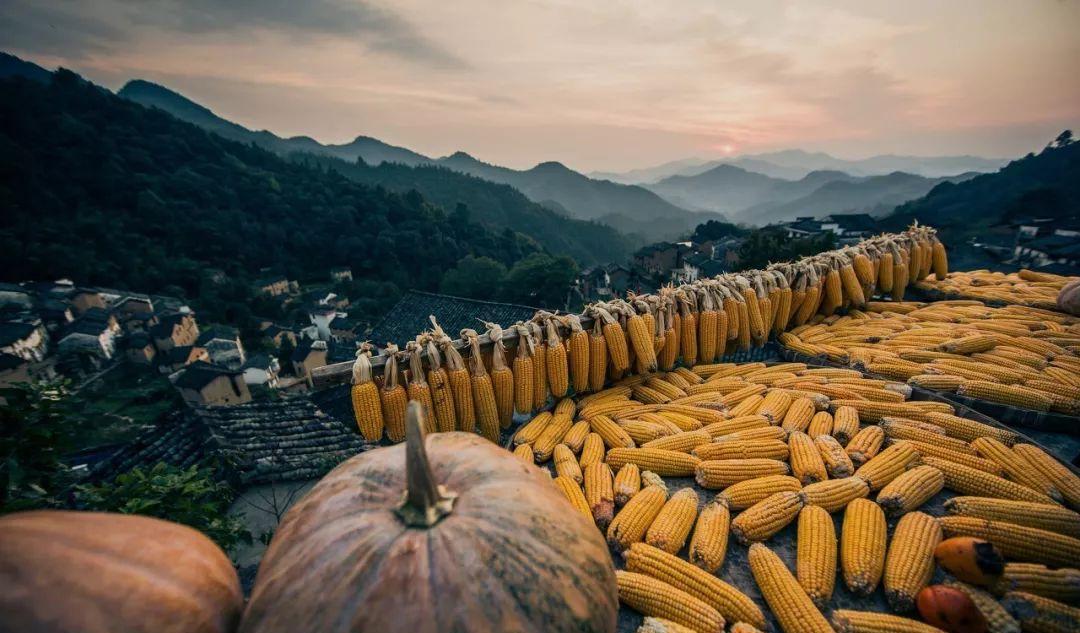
point(512, 556)
point(94, 572)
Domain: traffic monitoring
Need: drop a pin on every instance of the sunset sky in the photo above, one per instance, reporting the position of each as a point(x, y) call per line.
point(597, 85)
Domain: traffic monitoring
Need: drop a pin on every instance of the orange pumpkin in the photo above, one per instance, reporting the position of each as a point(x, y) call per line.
point(481, 542)
point(970, 559)
point(950, 610)
point(94, 572)
point(1069, 298)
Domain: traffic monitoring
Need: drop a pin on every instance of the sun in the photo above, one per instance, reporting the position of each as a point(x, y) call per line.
point(725, 148)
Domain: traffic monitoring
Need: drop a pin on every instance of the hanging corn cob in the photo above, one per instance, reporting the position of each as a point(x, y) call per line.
point(460, 382)
point(502, 377)
point(418, 389)
point(539, 362)
point(365, 397)
point(524, 372)
point(483, 391)
point(441, 396)
point(392, 397)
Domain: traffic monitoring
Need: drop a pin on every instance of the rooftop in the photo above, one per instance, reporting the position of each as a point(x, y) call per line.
point(13, 331)
point(410, 316)
point(199, 374)
point(257, 442)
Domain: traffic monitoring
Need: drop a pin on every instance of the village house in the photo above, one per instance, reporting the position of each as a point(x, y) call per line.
point(224, 346)
point(176, 358)
point(14, 296)
point(661, 258)
point(307, 356)
point(82, 299)
point(174, 330)
point(133, 304)
point(13, 370)
point(202, 384)
point(341, 273)
point(54, 313)
point(275, 285)
point(848, 227)
point(262, 369)
point(139, 349)
point(278, 335)
point(90, 337)
point(345, 330)
point(25, 339)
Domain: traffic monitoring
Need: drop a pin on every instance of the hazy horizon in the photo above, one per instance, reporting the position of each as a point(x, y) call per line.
point(610, 87)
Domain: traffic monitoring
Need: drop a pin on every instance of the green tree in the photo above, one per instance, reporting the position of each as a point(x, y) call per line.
point(285, 355)
point(37, 423)
point(540, 280)
point(474, 277)
point(189, 496)
point(768, 245)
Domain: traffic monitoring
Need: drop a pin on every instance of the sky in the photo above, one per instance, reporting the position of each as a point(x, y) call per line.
point(604, 85)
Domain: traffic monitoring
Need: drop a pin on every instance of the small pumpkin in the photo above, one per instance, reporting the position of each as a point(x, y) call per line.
point(970, 559)
point(94, 572)
point(950, 610)
point(380, 545)
point(1069, 298)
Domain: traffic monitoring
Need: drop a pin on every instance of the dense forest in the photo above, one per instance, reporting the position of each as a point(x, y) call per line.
point(108, 192)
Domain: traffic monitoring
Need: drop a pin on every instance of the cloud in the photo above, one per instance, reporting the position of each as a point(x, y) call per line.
point(75, 29)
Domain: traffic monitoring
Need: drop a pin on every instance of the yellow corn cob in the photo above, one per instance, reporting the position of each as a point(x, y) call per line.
point(970, 481)
point(631, 523)
point(966, 458)
point(1063, 478)
point(575, 437)
point(599, 493)
point(524, 452)
point(746, 493)
point(835, 494)
point(850, 284)
point(911, 430)
point(837, 462)
point(552, 434)
point(627, 483)
point(524, 374)
point(940, 260)
point(418, 388)
point(643, 432)
point(715, 474)
point(598, 358)
point(767, 517)
point(775, 405)
point(539, 369)
point(367, 410)
point(1015, 395)
point(1016, 467)
point(910, 490)
point(662, 462)
point(1018, 542)
point(748, 449)
point(862, 546)
point(708, 546)
point(820, 424)
point(799, 415)
point(761, 433)
point(566, 464)
point(815, 565)
point(1041, 614)
point(790, 605)
point(532, 429)
point(665, 387)
point(1036, 515)
point(887, 465)
point(845, 425)
point(612, 434)
point(909, 564)
point(558, 371)
point(1062, 585)
point(592, 451)
point(806, 463)
point(572, 490)
point(618, 354)
point(885, 273)
point(672, 526)
point(743, 334)
point(577, 351)
point(684, 442)
point(706, 340)
point(649, 478)
point(649, 395)
point(728, 601)
point(833, 293)
point(641, 337)
point(653, 597)
point(848, 621)
point(669, 353)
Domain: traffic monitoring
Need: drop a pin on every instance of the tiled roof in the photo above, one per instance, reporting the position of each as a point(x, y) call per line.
point(257, 442)
point(199, 374)
point(410, 316)
point(12, 331)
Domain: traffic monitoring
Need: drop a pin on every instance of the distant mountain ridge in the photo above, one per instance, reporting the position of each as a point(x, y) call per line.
point(795, 164)
point(580, 197)
point(757, 199)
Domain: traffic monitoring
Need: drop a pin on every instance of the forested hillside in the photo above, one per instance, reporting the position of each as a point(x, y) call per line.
point(106, 191)
point(494, 205)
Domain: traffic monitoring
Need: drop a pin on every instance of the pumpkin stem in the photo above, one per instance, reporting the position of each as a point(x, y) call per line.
point(425, 502)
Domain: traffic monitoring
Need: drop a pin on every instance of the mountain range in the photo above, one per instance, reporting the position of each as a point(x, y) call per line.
point(629, 208)
point(794, 164)
point(754, 198)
